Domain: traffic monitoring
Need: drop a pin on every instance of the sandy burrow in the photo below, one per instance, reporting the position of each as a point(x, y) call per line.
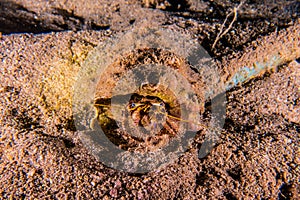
point(257, 155)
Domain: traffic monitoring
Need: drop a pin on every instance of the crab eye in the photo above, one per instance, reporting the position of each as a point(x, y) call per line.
point(161, 104)
point(132, 105)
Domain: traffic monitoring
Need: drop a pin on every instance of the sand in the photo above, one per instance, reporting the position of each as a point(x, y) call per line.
point(256, 157)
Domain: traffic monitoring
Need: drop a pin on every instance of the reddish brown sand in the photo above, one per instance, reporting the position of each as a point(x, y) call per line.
point(257, 156)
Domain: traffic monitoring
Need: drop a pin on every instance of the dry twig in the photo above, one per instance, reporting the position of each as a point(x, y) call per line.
point(222, 33)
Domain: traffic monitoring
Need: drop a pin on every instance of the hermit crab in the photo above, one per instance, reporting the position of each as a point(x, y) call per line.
point(150, 115)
